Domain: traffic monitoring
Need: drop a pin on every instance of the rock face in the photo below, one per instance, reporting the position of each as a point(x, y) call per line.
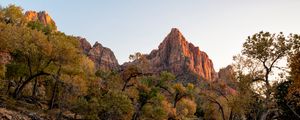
point(227, 74)
point(180, 57)
point(5, 57)
point(103, 57)
point(6, 114)
point(42, 17)
point(85, 45)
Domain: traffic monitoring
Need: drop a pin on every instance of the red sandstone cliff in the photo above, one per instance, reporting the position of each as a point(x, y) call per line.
point(43, 17)
point(181, 58)
point(103, 57)
point(178, 56)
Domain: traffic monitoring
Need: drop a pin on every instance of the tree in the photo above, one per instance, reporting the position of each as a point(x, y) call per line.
point(13, 15)
point(135, 56)
point(145, 94)
point(80, 106)
point(288, 106)
point(116, 106)
point(2, 71)
point(263, 51)
point(292, 93)
point(294, 64)
point(29, 48)
point(37, 25)
point(180, 92)
point(183, 95)
point(294, 90)
point(151, 102)
point(216, 99)
point(1, 14)
point(228, 98)
point(65, 64)
point(185, 108)
point(130, 73)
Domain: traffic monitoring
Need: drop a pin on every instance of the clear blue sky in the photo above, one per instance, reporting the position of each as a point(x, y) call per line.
point(218, 27)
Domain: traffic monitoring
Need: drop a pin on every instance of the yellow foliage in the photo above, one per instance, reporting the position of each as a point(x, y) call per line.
point(169, 108)
point(132, 93)
point(179, 88)
point(186, 108)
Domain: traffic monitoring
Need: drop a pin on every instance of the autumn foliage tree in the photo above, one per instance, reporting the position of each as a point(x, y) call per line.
point(260, 58)
point(292, 101)
point(38, 56)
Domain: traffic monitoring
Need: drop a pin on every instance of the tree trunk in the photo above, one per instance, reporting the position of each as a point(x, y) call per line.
point(53, 94)
point(137, 114)
point(75, 116)
point(263, 115)
point(295, 113)
point(34, 89)
point(231, 115)
point(8, 87)
point(124, 86)
point(18, 90)
point(134, 117)
point(175, 100)
point(223, 114)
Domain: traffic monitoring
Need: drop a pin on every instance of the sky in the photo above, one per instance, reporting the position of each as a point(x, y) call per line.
point(218, 27)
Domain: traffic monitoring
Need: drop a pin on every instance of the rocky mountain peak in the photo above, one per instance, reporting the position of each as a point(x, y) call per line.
point(174, 37)
point(177, 55)
point(85, 45)
point(42, 16)
point(178, 43)
point(103, 57)
point(97, 44)
point(175, 32)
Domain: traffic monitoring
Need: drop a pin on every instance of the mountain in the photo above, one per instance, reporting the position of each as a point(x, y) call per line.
point(176, 55)
point(42, 17)
point(103, 57)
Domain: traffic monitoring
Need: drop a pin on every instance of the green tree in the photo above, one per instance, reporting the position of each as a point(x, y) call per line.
point(113, 105)
point(29, 48)
point(216, 100)
point(156, 108)
point(150, 102)
point(294, 64)
point(37, 25)
point(65, 65)
point(183, 95)
point(290, 89)
point(1, 14)
point(153, 96)
point(13, 15)
point(288, 106)
point(261, 53)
